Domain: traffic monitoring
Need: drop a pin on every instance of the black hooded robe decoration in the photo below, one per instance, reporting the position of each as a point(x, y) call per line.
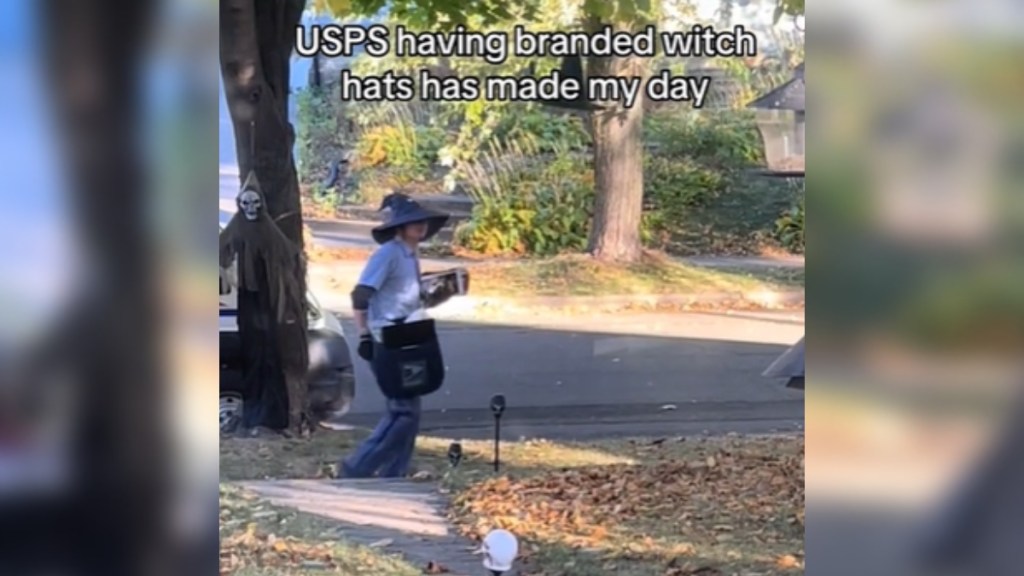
point(269, 267)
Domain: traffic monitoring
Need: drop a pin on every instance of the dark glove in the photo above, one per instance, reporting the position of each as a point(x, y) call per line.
point(365, 349)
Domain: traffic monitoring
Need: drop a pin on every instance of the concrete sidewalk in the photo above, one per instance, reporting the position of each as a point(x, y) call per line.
point(406, 515)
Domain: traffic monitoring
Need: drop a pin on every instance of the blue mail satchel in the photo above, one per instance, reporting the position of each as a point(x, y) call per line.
point(408, 361)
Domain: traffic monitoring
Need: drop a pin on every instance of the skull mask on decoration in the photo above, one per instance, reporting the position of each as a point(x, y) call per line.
point(251, 204)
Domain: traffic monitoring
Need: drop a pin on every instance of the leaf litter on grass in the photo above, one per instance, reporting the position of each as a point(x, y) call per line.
point(583, 539)
point(283, 458)
point(705, 513)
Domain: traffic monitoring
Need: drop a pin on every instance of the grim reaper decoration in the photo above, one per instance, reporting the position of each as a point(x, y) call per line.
point(271, 311)
point(250, 203)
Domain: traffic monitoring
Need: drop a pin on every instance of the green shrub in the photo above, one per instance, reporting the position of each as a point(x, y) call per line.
point(655, 230)
point(429, 141)
point(397, 135)
point(373, 184)
point(320, 134)
point(698, 189)
point(387, 145)
point(725, 140)
point(319, 194)
point(673, 187)
point(551, 132)
point(527, 204)
point(672, 184)
point(789, 229)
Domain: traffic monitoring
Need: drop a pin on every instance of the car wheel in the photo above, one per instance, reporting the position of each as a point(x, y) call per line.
point(230, 411)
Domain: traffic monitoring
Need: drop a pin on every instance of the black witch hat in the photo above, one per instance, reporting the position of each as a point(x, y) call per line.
point(405, 210)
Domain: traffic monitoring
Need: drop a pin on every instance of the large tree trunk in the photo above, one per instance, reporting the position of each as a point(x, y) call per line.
point(618, 168)
point(256, 39)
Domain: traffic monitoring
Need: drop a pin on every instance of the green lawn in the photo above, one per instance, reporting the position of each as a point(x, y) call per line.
point(655, 274)
point(581, 275)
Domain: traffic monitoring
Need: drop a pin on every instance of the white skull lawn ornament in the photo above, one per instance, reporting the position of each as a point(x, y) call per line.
point(250, 203)
point(500, 549)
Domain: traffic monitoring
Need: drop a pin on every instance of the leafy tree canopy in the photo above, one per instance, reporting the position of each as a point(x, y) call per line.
point(432, 13)
point(450, 13)
point(789, 8)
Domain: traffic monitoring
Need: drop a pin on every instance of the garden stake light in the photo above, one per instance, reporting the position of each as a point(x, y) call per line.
point(497, 407)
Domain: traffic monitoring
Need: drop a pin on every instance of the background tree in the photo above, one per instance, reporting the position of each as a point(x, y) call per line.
point(618, 139)
point(617, 131)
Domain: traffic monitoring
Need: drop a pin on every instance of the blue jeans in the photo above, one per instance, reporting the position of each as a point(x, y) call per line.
point(388, 451)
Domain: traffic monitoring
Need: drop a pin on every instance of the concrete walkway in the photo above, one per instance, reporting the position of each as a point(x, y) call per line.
point(408, 514)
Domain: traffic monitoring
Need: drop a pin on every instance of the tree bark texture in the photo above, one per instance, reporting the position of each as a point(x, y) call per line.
point(256, 40)
point(618, 168)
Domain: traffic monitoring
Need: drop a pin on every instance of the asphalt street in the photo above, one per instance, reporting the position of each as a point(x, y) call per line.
point(644, 374)
point(341, 234)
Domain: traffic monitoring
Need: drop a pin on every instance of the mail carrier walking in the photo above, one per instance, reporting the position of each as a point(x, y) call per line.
point(396, 338)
